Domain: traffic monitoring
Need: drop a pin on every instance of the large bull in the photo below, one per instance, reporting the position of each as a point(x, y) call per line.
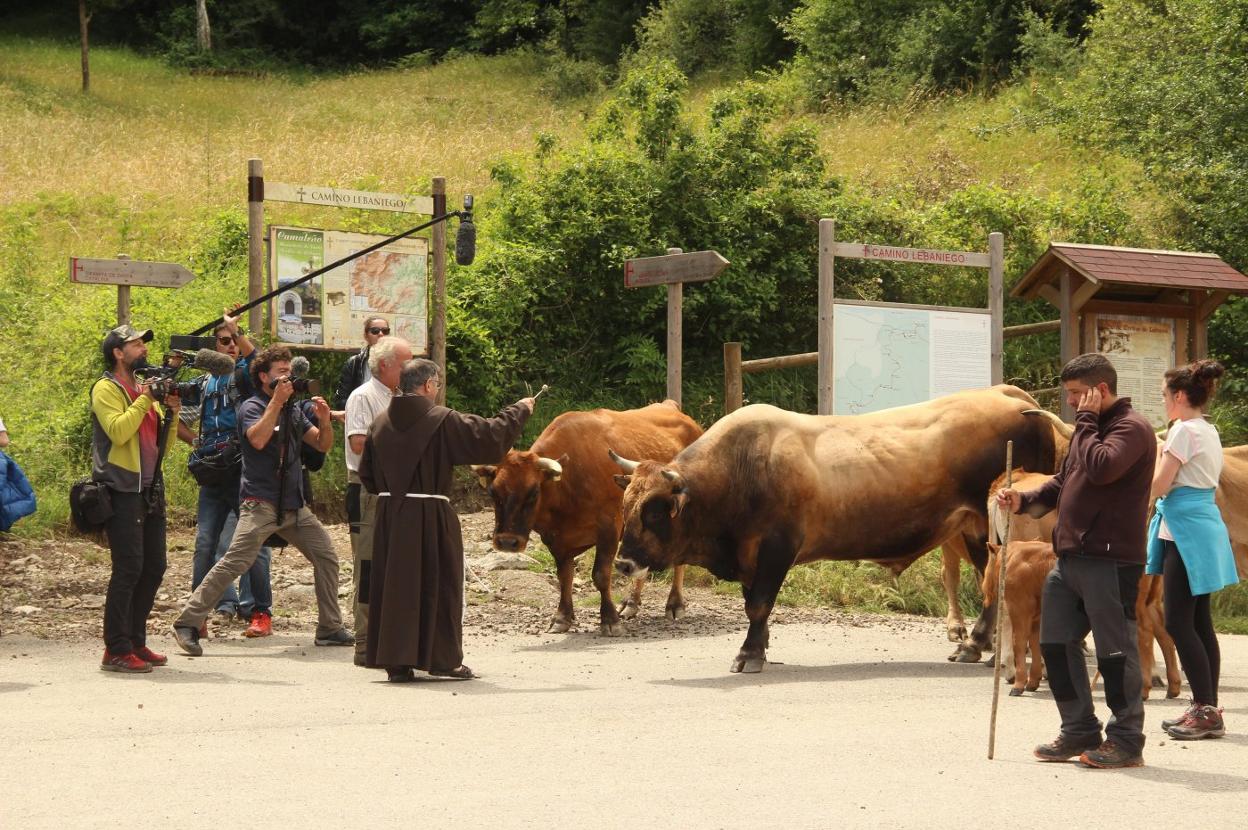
point(562, 488)
point(765, 489)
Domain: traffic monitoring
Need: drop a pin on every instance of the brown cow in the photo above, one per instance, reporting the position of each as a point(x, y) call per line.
point(563, 488)
point(1027, 565)
point(765, 489)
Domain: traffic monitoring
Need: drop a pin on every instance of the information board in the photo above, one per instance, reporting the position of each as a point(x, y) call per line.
point(893, 355)
point(1142, 351)
point(329, 312)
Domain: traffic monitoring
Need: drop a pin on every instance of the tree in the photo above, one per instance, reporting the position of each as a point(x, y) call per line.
point(84, 22)
point(203, 30)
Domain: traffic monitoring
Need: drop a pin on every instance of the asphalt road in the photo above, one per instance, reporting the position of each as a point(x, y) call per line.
point(859, 727)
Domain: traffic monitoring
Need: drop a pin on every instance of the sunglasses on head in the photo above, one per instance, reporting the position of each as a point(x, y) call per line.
point(378, 330)
point(225, 340)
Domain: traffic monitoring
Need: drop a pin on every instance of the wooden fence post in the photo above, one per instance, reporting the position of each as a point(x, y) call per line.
point(437, 241)
point(255, 243)
point(732, 377)
point(827, 241)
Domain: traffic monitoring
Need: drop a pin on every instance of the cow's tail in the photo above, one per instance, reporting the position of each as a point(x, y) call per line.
point(1054, 440)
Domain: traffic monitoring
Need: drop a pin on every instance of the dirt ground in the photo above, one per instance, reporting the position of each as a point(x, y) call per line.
point(858, 722)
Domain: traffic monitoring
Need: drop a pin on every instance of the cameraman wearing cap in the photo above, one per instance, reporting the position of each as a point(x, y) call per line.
point(127, 443)
point(217, 513)
point(273, 501)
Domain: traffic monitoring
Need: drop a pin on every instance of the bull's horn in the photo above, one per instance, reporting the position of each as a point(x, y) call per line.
point(1064, 429)
point(673, 476)
point(550, 467)
point(626, 465)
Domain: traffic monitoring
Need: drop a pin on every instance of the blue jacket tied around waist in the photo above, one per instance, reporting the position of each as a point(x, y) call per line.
point(1201, 536)
point(17, 499)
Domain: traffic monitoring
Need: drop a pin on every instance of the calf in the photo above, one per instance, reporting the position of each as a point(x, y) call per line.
point(1027, 565)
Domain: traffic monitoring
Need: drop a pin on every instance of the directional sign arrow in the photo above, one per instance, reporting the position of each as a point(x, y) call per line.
point(695, 266)
point(128, 272)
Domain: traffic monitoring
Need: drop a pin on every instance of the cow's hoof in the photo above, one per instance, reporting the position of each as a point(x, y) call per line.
point(1158, 683)
point(611, 629)
point(1016, 692)
point(748, 665)
point(558, 626)
point(965, 653)
point(675, 612)
point(956, 633)
point(1171, 694)
point(628, 610)
point(1035, 688)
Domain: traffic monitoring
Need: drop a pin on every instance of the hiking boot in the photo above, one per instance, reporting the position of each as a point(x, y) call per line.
point(1064, 748)
point(187, 638)
point(129, 663)
point(1202, 722)
point(341, 637)
point(1169, 722)
point(1111, 756)
point(147, 655)
point(261, 625)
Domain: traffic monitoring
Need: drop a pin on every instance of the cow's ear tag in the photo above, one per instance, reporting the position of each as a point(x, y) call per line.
point(622, 481)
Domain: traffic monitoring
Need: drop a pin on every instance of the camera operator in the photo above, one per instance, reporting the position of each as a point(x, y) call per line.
point(217, 513)
point(271, 428)
point(127, 444)
point(356, 371)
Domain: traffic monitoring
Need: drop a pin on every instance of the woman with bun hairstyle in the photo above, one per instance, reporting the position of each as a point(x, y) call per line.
point(1188, 543)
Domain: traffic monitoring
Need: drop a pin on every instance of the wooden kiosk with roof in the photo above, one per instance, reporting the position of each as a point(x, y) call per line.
point(1148, 311)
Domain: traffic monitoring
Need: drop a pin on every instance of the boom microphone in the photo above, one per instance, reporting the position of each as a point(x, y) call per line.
point(299, 366)
point(213, 362)
point(466, 236)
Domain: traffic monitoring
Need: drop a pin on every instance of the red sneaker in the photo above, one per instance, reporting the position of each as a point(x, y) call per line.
point(146, 654)
point(126, 663)
point(261, 625)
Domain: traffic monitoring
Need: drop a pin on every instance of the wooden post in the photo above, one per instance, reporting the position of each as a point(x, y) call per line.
point(84, 26)
point(1070, 331)
point(675, 307)
point(437, 242)
point(996, 302)
point(255, 242)
point(123, 300)
point(827, 240)
point(732, 377)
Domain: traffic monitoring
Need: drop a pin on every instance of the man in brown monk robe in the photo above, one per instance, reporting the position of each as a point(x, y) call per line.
point(417, 579)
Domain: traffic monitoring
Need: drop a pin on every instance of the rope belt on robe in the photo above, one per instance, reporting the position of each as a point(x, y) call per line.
point(419, 496)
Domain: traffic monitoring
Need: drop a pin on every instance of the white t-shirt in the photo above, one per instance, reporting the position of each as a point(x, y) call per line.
point(1197, 446)
point(2, 429)
point(366, 402)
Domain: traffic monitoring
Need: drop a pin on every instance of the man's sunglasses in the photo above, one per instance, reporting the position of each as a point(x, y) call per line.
point(375, 330)
point(225, 340)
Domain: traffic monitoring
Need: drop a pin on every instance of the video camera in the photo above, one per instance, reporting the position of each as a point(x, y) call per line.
point(185, 352)
point(302, 386)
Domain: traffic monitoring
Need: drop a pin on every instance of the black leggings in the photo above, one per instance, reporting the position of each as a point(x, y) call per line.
point(1190, 622)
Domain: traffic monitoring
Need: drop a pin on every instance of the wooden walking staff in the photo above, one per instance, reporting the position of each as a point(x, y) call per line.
point(1005, 544)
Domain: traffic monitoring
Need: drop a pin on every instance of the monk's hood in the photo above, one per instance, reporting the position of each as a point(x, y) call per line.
point(408, 410)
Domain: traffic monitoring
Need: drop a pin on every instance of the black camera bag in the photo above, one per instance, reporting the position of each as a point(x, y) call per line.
point(219, 463)
point(90, 505)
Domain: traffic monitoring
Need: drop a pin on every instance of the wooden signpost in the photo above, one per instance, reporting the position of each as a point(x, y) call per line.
point(673, 270)
point(124, 272)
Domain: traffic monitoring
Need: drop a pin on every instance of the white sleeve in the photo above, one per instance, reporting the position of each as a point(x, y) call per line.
point(1181, 442)
point(357, 418)
point(2, 429)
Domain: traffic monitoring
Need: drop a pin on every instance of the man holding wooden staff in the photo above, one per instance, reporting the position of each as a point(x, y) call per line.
point(1101, 495)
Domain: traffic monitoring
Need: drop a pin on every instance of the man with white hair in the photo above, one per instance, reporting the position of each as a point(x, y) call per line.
point(385, 362)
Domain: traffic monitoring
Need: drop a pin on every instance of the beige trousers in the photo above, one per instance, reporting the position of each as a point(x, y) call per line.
point(257, 520)
point(362, 556)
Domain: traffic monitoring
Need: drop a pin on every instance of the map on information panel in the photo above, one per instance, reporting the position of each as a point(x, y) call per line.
point(330, 311)
point(886, 356)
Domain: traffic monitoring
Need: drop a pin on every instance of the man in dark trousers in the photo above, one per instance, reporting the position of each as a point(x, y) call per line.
point(1101, 495)
point(416, 596)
